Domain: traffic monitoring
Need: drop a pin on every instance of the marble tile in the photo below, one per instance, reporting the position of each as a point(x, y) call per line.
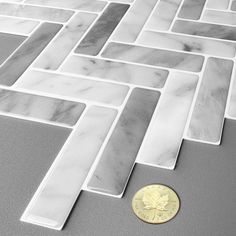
point(163, 15)
point(165, 133)
point(8, 44)
point(35, 12)
point(55, 54)
point(231, 111)
point(26, 54)
point(116, 71)
point(208, 114)
point(233, 6)
point(205, 30)
point(219, 17)
point(216, 4)
point(192, 9)
point(54, 199)
point(74, 87)
point(95, 39)
point(133, 22)
point(40, 107)
point(188, 43)
point(155, 57)
point(85, 5)
point(117, 160)
point(17, 26)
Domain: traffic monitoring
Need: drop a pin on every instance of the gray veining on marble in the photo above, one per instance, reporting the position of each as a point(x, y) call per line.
point(163, 140)
point(188, 43)
point(40, 107)
point(117, 160)
point(26, 54)
point(133, 22)
point(55, 54)
point(116, 71)
point(56, 195)
point(35, 12)
point(208, 114)
point(9, 43)
point(86, 5)
point(163, 15)
point(95, 39)
point(216, 4)
point(205, 30)
point(74, 87)
point(192, 9)
point(155, 57)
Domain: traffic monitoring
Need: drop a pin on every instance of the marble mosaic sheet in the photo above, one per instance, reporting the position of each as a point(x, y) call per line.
point(132, 78)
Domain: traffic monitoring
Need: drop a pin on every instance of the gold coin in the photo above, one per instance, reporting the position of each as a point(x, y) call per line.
point(155, 204)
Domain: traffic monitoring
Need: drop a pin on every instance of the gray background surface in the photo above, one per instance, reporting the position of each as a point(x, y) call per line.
point(205, 180)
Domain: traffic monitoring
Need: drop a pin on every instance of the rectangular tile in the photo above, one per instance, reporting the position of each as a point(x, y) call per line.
point(116, 71)
point(188, 43)
point(117, 160)
point(39, 107)
point(192, 9)
point(219, 17)
point(86, 5)
point(74, 87)
point(165, 133)
point(231, 110)
point(102, 29)
point(216, 4)
point(133, 22)
point(8, 44)
point(233, 6)
point(155, 57)
point(205, 30)
point(35, 12)
point(26, 54)
point(208, 114)
point(56, 195)
point(163, 15)
point(55, 54)
point(17, 26)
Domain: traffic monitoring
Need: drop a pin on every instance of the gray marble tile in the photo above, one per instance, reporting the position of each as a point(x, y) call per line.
point(116, 71)
point(116, 162)
point(233, 6)
point(35, 12)
point(216, 4)
point(8, 43)
point(192, 9)
point(188, 43)
point(26, 54)
point(208, 113)
point(133, 22)
point(57, 193)
point(205, 29)
point(54, 55)
point(102, 29)
point(155, 57)
point(231, 111)
point(39, 107)
point(86, 5)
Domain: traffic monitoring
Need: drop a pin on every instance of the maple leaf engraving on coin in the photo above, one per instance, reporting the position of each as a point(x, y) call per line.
point(154, 200)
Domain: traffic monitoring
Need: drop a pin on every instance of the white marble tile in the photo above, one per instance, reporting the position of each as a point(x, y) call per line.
point(216, 4)
point(163, 15)
point(17, 26)
point(231, 111)
point(86, 5)
point(35, 12)
point(116, 71)
point(208, 114)
point(56, 195)
point(65, 41)
point(117, 160)
point(134, 20)
point(165, 133)
point(154, 57)
point(40, 107)
point(74, 87)
point(188, 43)
point(219, 17)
